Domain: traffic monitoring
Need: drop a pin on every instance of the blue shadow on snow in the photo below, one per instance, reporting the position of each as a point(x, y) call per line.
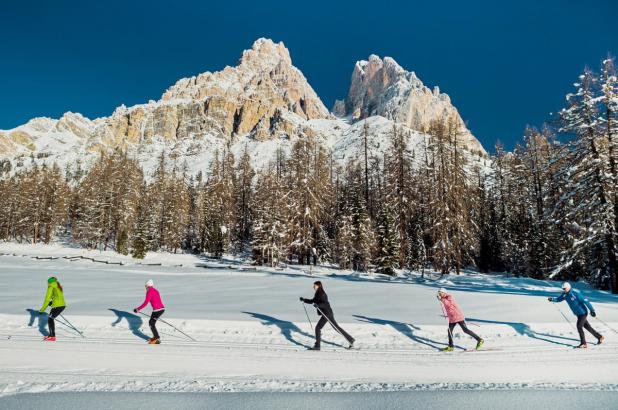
point(525, 330)
point(135, 322)
point(40, 318)
point(288, 329)
point(405, 329)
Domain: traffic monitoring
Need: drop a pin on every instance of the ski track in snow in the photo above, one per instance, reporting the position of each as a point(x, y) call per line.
point(251, 332)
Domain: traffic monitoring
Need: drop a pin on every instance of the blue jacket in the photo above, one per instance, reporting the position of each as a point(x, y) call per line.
point(578, 303)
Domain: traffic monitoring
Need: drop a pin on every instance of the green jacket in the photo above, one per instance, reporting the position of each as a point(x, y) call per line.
point(55, 295)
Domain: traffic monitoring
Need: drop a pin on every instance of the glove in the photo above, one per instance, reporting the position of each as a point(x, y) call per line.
point(302, 299)
point(134, 310)
point(550, 299)
point(593, 314)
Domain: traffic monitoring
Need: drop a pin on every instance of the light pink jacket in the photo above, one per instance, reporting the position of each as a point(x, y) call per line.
point(154, 298)
point(453, 311)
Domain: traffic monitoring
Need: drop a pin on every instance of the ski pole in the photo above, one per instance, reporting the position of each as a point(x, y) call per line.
point(307, 313)
point(446, 317)
point(70, 325)
point(170, 325)
point(606, 325)
point(563, 315)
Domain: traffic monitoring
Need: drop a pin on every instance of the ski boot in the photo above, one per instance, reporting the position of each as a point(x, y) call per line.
point(480, 344)
point(314, 348)
point(351, 344)
point(154, 341)
point(448, 349)
point(582, 346)
point(601, 340)
point(49, 339)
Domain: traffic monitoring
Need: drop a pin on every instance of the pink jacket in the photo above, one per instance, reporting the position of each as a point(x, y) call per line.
point(154, 298)
point(453, 311)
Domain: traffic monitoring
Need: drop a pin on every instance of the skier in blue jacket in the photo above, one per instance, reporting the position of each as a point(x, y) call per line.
point(580, 306)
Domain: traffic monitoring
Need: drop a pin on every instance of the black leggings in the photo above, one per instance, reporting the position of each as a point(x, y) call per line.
point(318, 329)
point(463, 326)
point(153, 320)
point(582, 323)
point(53, 314)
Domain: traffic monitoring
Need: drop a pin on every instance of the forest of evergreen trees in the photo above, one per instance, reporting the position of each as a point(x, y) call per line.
point(547, 209)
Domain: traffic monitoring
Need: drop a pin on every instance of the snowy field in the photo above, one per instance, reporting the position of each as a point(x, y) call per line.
point(251, 331)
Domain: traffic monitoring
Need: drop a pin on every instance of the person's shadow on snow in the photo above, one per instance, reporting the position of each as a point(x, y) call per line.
point(135, 322)
point(288, 329)
point(40, 318)
point(405, 329)
point(525, 330)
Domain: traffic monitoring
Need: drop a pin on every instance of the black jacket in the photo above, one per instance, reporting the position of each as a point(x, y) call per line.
point(320, 300)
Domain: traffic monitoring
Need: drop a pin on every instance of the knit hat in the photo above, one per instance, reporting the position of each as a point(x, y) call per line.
point(442, 290)
point(52, 280)
point(149, 283)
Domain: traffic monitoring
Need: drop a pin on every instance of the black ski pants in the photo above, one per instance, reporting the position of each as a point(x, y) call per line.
point(463, 326)
point(323, 320)
point(53, 314)
point(153, 321)
point(582, 323)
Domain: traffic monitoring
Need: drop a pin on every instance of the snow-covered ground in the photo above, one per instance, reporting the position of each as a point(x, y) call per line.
point(251, 331)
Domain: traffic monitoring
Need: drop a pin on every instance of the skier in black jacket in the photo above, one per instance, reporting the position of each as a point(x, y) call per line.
point(320, 301)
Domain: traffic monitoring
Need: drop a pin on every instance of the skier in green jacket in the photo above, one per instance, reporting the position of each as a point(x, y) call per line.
point(54, 298)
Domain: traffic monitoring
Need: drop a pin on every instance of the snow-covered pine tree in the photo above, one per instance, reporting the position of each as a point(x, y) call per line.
point(191, 240)
point(417, 252)
point(309, 194)
point(609, 121)
point(141, 238)
point(355, 238)
point(55, 196)
point(243, 191)
point(398, 194)
point(106, 201)
point(33, 204)
point(270, 237)
point(454, 232)
point(387, 244)
point(217, 206)
point(590, 189)
point(176, 195)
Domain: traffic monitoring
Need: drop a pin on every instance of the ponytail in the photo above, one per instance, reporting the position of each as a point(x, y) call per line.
point(54, 279)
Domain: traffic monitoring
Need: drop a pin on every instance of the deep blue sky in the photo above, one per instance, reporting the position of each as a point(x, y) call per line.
point(504, 65)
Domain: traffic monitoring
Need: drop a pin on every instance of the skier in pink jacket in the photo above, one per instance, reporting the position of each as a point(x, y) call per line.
point(154, 298)
point(455, 317)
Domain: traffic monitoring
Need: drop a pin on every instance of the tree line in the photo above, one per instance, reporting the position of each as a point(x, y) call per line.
point(548, 209)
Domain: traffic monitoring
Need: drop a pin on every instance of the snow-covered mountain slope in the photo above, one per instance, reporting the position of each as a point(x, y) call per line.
point(262, 104)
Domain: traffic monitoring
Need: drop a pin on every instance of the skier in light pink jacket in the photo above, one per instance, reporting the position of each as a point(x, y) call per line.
point(455, 317)
point(154, 298)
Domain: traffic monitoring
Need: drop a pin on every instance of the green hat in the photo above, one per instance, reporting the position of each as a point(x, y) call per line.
point(52, 280)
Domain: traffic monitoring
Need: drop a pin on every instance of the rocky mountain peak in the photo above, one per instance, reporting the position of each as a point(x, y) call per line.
point(263, 102)
point(266, 53)
point(382, 87)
